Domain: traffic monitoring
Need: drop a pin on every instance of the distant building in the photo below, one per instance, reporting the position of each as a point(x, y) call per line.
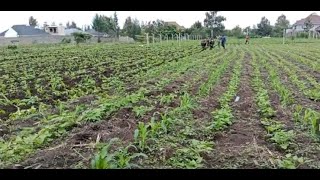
point(22, 30)
point(299, 26)
point(54, 29)
point(173, 23)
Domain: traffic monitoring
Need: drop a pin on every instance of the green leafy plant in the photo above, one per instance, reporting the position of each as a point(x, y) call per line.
point(167, 99)
point(291, 162)
point(141, 110)
point(141, 135)
point(221, 119)
point(283, 138)
point(190, 157)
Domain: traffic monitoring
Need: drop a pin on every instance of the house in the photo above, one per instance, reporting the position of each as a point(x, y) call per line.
point(53, 29)
point(68, 32)
point(173, 23)
point(22, 30)
point(299, 26)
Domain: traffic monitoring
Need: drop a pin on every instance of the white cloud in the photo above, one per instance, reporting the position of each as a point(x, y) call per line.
point(184, 18)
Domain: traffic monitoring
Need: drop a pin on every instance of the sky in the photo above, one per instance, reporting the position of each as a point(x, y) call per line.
point(183, 18)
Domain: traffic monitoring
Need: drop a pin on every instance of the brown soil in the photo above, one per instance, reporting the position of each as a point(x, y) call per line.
point(77, 146)
point(243, 145)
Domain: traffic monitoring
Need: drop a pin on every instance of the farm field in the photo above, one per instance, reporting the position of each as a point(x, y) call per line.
point(164, 106)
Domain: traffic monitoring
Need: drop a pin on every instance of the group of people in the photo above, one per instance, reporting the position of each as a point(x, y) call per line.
point(210, 42)
point(221, 40)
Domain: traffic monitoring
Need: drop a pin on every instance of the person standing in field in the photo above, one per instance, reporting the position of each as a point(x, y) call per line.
point(211, 43)
point(247, 39)
point(218, 39)
point(223, 41)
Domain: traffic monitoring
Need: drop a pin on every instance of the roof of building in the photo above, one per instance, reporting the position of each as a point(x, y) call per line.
point(3, 33)
point(314, 18)
point(174, 23)
point(24, 30)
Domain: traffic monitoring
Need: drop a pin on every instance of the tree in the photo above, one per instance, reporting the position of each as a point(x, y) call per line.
point(32, 21)
point(307, 24)
point(73, 25)
point(197, 25)
point(116, 24)
point(131, 27)
point(281, 24)
point(214, 22)
point(237, 31)
point(197, 29)
point(264, 27)
point(247, 30)
point(105, 24)
point(81, 37)
point(68, 25)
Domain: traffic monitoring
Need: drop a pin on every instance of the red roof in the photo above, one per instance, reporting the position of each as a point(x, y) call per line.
point(315, 19)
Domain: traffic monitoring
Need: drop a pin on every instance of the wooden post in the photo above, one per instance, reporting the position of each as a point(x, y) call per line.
point(160, 39)
point(148, 39)
point(153, 39)
point(179, 38)
point(167, 38)
point(284, 34)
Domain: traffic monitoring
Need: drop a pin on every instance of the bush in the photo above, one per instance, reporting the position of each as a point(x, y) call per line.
point(81, 37)
point(66, 40)
point(302, 35)
point(12, 47)
point(140, 38)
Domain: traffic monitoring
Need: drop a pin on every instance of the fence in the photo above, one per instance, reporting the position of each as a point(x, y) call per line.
point(47, 39)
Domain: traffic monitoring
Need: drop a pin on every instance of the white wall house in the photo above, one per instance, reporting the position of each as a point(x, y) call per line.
point(11, 33)
point(299, 26)
point(22, 30)
point(54, 29)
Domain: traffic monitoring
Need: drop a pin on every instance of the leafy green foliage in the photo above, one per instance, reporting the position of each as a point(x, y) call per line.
point(81, 37)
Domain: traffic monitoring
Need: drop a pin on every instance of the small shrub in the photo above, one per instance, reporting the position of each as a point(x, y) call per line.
point(81, 37)
point(12, 47)
point(66, 40)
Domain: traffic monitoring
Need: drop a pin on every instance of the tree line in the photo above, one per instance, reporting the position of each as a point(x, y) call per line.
point(211, 26)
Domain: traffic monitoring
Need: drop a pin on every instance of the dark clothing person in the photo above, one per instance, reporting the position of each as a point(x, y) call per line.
point(203, 44)
point(211, 43)
point(223, 41)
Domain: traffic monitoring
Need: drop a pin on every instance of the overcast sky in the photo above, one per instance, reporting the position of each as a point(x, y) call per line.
point(184, 18)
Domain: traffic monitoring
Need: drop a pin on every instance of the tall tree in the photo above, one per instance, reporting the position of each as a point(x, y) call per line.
point(197, 29)
point(104, 24)
point(264, 27)
point(32, 21)
point(308, 24)
point(214, 22)
point(236, 31)
point(73, 25)
point(197, 25)
point(68, 25)
point(116, 24)
point(247, 30)
point(131, 27)
point(281, 24)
